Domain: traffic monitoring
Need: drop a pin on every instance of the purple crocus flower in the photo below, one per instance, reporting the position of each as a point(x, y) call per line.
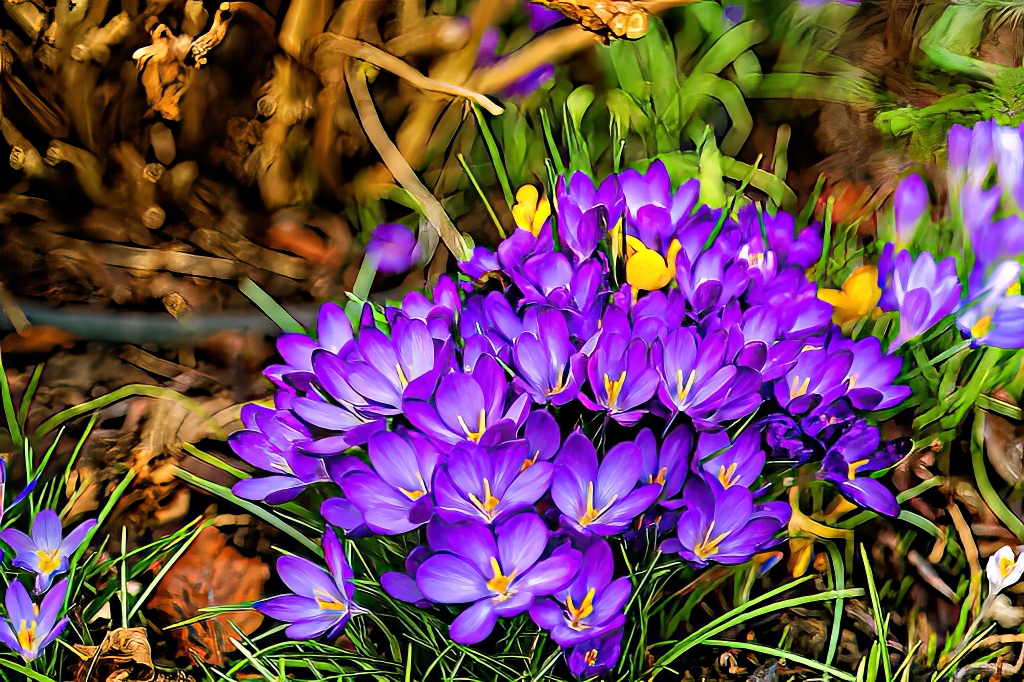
point(794, 301)
point(46, 552)
point(500, 576)
point(29, 628)
point(544, 360)
point(393, 248)
point(402, 586)
point(712, 279)
point(482, 262)
point(334, 331)
point(740, 463)
point(910, 203)
point(542, 18)
point(586, 213)
point(543, 437)
point(439, 315)
point(594, 657)
point(395, 497)
point(996, 317)
point(466, 406)
point(322, 600)
point(666, 466)
point(855, 452)
point(871, 373)
point(474, 484)
point(620, 377)
point(924, 292)
point(695, 379)
point(724, 525)
point(591, 605)
point(784, 439)
point(268, 442)
point(817, 379)
point(603, 498)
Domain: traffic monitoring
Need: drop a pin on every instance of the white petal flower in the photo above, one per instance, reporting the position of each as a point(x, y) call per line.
point(1003, 570)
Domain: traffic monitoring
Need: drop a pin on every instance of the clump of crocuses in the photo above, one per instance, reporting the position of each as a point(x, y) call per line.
point(693, 343)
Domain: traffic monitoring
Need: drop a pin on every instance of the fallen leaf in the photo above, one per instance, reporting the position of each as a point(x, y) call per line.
point(210, 573)
point(37, 340)
point(124, 654)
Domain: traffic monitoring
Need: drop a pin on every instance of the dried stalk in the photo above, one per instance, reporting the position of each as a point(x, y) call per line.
point(329, 48)
point(551, 48)
point(399, 167)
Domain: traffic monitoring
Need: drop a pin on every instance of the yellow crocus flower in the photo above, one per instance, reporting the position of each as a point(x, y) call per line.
point(531, 210)
point(858, 297)
point(646, 269)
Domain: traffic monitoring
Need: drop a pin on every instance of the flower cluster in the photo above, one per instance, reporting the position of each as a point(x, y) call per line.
point(629, 363)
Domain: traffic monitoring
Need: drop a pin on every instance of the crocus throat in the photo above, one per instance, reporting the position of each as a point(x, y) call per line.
point(660, 478)
point(578, 613)
point(49, 560)
point(728, 477)
point(475, 436)
point(529, 461)
point(683, 390)
point(590, 658)
point(591, 514)
point(27, 636)
point(612, 388)
point(1006, 565)
point(709, 545)
point(981, 327)
point(401, 376)
point(798, 388)
point(416, 494)
point(328, 602)
point(854, 466)
point(499, 584)
point(487, 505)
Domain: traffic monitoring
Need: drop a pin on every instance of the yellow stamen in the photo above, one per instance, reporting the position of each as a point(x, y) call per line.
point(590, 658)
point(981, 327)
point(660, 478)
point(853, 382)
point(798, 388)
point(709, 546)
point(612, 388)
point(401, 376)
point(416, 494)
point(49, 561)
point(728, 477)
point(591, 514)
point(615, 239)
point(328, 602)
point(578, 613)
point(489, 502)
point(1006, 566)
point(474, 436)
point(500, 582)
point(529, 462)
point(854, 466)
point(684, 390)
point(27, 635)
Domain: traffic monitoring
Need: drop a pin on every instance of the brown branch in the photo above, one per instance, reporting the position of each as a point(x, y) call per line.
point(399, 167)
point(329, 48)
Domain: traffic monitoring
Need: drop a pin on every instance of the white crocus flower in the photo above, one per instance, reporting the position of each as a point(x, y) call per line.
point(1003, 570)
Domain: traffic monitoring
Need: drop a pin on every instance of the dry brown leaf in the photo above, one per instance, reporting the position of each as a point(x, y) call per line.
point(210, 573)
point(123, 656)
point(615, 18)
point(1004, 445)
point(37, 340)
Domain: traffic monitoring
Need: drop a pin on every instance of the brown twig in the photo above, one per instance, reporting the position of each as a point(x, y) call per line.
point(971, 551)
point(399, 167)
point(329, 48)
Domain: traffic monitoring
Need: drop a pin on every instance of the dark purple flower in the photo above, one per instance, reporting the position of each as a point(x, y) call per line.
point(724, 525)
point(710, 280)
point(268, 442)
point(543, 437)
point(739, 464)
point(500, 577)
point(594, 657)
point(29, 628)
point(924, 292)
point(784, 439)
point(996, 318)
point(544, 360)
point(439, 315)
point(756, 342)
point(541, 17)
point(393, 248)
point(668, 465)
point(481, 263)
point(467, 405)
point(586, 213)
point(46, 552)
point(395, 497)
point(795, 303)
point(857, 451)
point(474, 484)
point(591, 605)
point(817, 379)
point(334, 331)
point(600, 499)
point(322, 600)
point(620, 377)
point(696, 380)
